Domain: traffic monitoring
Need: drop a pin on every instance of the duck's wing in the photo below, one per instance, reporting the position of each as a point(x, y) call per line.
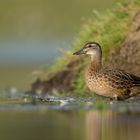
point(123, 77)
point(135, 80)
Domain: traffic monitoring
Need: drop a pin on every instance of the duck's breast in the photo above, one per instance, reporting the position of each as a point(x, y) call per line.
point(99, 83)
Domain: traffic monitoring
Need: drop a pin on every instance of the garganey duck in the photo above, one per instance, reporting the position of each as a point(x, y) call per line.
point(113, 83)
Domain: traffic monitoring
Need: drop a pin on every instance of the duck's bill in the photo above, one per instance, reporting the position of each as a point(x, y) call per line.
point(79, 52)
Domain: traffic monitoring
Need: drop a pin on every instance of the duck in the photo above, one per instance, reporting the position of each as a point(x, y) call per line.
point(112, 83)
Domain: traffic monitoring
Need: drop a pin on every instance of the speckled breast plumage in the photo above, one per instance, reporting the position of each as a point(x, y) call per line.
point(99, 83)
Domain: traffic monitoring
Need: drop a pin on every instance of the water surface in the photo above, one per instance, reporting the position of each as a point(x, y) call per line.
point(42, 123)
point(61, 118)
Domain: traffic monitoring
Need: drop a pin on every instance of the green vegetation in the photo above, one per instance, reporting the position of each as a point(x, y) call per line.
point(38, 19)
point(109, 29)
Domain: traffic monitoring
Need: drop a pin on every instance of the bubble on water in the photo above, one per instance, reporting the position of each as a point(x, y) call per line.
point(25, 100)
point(111, 103)
point(63, 102)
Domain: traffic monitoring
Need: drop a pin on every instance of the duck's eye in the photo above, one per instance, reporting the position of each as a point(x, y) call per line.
point(89, 46)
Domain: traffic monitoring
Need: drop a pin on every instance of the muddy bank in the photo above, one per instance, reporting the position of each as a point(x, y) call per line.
point(59, 82)
point(127, 55)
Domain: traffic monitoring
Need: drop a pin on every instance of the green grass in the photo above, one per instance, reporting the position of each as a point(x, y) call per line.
point(109, 29)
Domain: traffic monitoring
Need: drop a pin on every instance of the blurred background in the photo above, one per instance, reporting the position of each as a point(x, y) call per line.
point(32, 32)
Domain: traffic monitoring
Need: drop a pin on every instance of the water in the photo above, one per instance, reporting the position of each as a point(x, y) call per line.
point(70, 125)
point(38, 124)
point(77, 119)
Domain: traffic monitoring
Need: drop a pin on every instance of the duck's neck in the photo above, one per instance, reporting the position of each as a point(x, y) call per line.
point(96, 63)
point(95, 66)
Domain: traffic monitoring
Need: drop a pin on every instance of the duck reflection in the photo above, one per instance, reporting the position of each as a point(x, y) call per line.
point(110, 125)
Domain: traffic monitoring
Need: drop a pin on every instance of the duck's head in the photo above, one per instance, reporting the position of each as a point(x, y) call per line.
point(91, 48)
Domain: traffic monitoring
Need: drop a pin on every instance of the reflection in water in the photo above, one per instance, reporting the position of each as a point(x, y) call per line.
point(41, 124)
point(109, 125)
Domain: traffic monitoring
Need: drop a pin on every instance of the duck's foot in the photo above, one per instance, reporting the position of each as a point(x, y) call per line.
point(120, 98)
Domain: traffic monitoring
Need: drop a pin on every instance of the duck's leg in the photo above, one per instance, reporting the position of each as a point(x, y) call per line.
point(123, 96)
point(115, 98)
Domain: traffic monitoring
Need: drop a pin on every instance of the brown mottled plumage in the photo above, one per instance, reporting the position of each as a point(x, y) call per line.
point(105, 82)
